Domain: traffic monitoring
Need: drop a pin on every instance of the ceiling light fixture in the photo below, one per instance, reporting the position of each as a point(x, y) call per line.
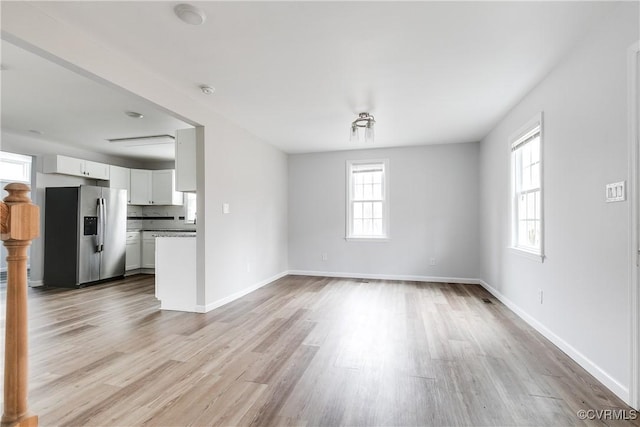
point(133, 114)
point(207, 90)
point(190, 14)
point(364, 121)
point(143, 140)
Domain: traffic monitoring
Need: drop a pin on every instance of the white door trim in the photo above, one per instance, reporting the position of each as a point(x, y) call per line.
point(634, 219)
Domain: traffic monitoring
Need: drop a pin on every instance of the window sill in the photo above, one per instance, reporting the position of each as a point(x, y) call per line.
point(367, 239)
point(533, 256)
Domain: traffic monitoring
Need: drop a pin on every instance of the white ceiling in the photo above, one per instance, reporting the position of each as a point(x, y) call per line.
point(39, 95)
point(297, 73)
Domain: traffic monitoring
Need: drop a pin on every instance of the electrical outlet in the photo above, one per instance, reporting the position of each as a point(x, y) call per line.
point(324, 256)
point(225, 208)
point(540, 296)
point(432, 261)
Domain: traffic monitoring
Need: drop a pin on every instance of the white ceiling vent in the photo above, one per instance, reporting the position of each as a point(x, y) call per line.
point(143, 140)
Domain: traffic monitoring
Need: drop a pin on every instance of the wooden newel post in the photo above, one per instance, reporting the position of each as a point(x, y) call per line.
point(19, 224)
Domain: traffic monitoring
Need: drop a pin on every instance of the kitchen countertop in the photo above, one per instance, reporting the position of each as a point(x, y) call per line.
point(181, 230)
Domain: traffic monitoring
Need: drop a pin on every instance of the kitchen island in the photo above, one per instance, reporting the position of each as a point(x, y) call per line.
point(176, 273)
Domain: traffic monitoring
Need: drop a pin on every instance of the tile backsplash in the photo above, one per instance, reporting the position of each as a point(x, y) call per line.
point(156, 218)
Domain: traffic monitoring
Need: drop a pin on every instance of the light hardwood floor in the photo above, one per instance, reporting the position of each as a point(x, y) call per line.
point(301, 351)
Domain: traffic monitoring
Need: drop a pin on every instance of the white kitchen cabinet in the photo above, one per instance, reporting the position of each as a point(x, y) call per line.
point(140, 187)
point(186, 159)
point(163, 188)
point(133, 251)
point(149, 252)
point(154, 187)
point(120, 177)
point(77, 167)
point(96, 170)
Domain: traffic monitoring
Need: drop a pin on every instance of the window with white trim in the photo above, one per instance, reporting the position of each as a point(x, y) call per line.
point(190, 205)
point(526, 188)
point(367, 199)
point(15, 167)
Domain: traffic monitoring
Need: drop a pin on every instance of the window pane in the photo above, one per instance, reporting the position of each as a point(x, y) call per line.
point(535, 175)
point(377, 227)
point(366, 227)
point(357, 210)
point(531, 233)
point(531, 206)
point(357, 227)
point(368, 192)
point(526, 177)
point(522, 232)
point(358, 178)
point(367, 210)
point(377, 177)
point(358, 192)
point(535, 150)
point(377, 192)
point(538, 206)
point(522, 207)
point(377, 210)
point(517, 164)
point(367, 178)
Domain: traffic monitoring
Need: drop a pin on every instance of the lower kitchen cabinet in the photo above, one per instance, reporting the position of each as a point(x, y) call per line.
point(149, 252)
point(133, 250)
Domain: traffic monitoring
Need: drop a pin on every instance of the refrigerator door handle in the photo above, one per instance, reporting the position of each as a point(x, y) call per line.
point(100, 235)
point(103, 231)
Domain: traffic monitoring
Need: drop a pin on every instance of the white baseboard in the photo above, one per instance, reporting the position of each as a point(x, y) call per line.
point(35, 283)
point(239, 294)
point(436, 279)
point(611, 383)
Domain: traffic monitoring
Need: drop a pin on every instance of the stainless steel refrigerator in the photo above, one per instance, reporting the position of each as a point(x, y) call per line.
point(85, 235)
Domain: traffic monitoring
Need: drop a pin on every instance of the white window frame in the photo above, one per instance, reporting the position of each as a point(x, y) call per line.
point(516, 140)
point(17, 159)
point(187, 203)
point(385, 201)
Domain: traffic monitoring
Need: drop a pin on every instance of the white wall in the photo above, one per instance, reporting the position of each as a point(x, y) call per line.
point(248, 246)
point(433, 193)
point(585, 275)
point(233, 166)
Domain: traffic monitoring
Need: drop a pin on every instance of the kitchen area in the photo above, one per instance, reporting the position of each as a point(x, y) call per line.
point(115, 180)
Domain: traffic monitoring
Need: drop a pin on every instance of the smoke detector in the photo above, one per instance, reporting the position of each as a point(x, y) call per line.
point(190, 14)
point(133, 114)
point(207, 90)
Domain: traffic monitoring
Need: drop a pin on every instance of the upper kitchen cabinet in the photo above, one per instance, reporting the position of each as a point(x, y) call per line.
point(163, 188)
point(186, 160)
point(77, 167)
point(154, 187)
point(120, 177)
point(141, 181)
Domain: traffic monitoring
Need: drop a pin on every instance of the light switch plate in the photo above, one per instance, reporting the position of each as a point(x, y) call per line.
point(225, 208)
point(616, 192)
